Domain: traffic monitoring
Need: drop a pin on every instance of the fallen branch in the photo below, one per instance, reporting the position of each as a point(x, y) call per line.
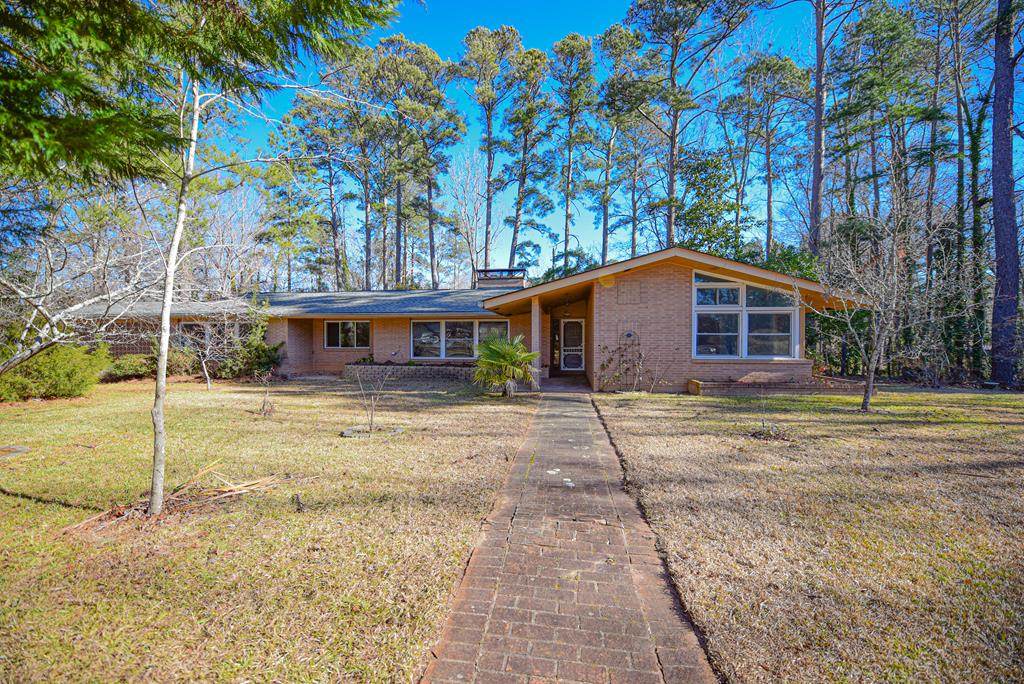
point(187, 496)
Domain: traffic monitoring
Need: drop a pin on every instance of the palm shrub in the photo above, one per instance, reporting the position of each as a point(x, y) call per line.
point(503, 363)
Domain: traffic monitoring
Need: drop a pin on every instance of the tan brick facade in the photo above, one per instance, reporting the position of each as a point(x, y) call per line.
point(656, 305)
point(652, 304)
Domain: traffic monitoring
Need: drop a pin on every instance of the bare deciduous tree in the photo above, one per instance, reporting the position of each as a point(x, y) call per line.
point(873, 272)
point(74, 281)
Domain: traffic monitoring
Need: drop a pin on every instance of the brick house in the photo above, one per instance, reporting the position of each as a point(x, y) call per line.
point(672, 316)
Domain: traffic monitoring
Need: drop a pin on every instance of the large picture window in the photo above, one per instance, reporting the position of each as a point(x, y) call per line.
point(735, 320)
point(452, 339)
point(346, 334)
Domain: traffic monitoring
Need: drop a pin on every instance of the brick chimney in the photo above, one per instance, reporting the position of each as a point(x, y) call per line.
point(485, 278)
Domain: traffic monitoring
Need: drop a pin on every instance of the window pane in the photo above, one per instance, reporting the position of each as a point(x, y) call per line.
point(348, 334)
point(703, 278)
point(718, 334)
point(363, 334)
point(729, 295)
point(768, 323)
point(458, 339)
point(488, 328)
point(718, 323)
point(768, 345)
point(758, 296)
point(332, 337)
point(706, 296)
point(718, 345)
point(426, 340)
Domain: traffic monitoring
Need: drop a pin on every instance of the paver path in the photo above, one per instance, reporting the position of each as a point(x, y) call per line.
point(565, 583)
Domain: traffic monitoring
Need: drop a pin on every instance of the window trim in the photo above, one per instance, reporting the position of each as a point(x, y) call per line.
point(444, 342)
point(796, 320)
point(340, 346)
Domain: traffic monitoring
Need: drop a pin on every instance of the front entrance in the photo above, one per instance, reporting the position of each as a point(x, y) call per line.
point(571, 341)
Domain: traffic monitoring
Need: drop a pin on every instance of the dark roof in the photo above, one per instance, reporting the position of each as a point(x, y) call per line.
point(380, 302)
point(297, 304)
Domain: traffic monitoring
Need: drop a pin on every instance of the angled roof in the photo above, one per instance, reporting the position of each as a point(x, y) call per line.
point(809, 289)
point(375, 303)
point(380, 302)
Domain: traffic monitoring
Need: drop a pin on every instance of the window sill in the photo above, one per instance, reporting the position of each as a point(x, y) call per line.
point(346, 349)
point(748, 359)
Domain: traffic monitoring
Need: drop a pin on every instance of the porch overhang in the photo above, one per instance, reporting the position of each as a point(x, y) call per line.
point(575, 287)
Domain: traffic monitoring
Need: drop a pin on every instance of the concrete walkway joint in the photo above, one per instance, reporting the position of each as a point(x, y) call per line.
point(565, 583)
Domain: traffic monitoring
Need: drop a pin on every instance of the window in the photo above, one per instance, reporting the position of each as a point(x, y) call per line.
point(192, 333)
point(426, 340)
point(488, 328)
point(718, 334)
point(734, 319)
point(759, 297)
point(346, 334)
point(768, 334)
point(459, 342)
point(718, 296)
point(452, 339)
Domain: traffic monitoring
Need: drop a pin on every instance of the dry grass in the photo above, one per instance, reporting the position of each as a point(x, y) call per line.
point(354, 588)
point(880, 547)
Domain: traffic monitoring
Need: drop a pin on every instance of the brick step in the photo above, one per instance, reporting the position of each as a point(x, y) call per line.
point(817, 386)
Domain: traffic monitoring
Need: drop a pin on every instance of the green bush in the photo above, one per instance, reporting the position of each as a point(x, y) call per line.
point(252, 354)
point(131, 366)
point(58, 372)
point(181, 361)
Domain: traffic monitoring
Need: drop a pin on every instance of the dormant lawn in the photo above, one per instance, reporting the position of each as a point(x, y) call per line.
point(880, 547)
point(354, 587)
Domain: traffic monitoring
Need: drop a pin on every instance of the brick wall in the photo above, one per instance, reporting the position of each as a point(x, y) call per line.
point(398, 374)
point(655, 304)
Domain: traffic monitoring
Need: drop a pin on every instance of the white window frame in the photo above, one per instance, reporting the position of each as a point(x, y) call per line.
point(444, 342)
point(340, 346)
point(743, 312)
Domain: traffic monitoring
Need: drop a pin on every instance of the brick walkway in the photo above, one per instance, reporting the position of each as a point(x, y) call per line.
point(565, 584)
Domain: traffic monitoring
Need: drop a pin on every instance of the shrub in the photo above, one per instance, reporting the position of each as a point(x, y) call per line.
point(58, 372)
point(252, 355)
point(503, 363)
point(181, 361)
point(131, 366)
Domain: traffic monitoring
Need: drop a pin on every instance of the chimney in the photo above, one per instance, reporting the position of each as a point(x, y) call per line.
point(508, 278)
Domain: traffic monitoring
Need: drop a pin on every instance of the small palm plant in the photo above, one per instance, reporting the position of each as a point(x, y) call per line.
point(503, 363)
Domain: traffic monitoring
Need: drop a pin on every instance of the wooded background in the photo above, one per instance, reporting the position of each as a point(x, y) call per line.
point(679, 125)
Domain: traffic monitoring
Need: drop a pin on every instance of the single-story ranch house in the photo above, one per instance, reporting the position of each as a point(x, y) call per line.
point(685, 315)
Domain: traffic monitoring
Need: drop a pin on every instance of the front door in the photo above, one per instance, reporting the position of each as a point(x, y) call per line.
point(571, 357)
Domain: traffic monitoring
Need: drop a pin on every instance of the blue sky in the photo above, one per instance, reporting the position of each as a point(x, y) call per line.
point(442, 24)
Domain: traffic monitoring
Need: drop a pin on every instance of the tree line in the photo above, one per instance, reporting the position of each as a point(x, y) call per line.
point(882, 164)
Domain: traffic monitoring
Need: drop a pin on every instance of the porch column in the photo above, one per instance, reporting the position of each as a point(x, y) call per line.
point(535, 330)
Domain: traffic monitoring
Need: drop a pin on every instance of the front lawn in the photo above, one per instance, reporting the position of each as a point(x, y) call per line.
point(356, 586)
point(878, 547)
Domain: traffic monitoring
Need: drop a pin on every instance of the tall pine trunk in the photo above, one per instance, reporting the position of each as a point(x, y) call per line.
point(488, 188)
point(634, 212)
point(367, 233)
point(570, 124)
point(339, 280)
point(1006, 302)
point(769, 189)
point(517, 218)
point(434, 281)
point(818, 143)
point(399, 237)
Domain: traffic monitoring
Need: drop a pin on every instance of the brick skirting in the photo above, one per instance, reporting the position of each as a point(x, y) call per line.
point(374, 372)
